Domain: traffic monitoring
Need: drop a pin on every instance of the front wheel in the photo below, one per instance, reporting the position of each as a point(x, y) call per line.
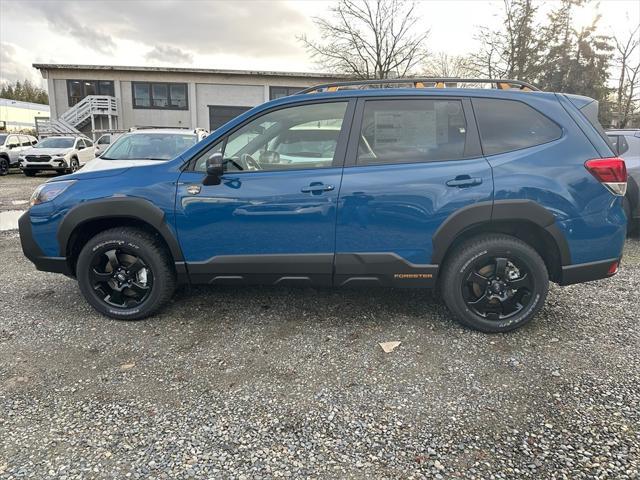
point(74, 165)
point(4, 166)
point(494, 283)
point(125, 273)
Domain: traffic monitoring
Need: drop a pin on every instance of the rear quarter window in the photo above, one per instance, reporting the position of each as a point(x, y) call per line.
point(508, 125)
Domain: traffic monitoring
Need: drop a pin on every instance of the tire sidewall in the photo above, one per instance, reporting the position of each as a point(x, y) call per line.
point(98, 246)
point(486, 251)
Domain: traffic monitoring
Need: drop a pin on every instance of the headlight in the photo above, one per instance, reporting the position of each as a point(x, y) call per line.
point(21, 158)
point(48, 191)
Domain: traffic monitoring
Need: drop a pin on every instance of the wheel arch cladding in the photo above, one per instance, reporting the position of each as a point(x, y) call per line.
point(111, 212)
point(523, 218)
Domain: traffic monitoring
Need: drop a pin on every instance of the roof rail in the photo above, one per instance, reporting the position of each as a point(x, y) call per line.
point(426, 82)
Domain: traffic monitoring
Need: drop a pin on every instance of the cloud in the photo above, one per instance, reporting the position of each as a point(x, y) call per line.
point(249, 28)
point(12, 68)
point(83, 29)
point(169, 54)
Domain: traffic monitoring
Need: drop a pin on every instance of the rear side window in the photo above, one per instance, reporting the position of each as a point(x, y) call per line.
point(406, 131)
point(508, 125)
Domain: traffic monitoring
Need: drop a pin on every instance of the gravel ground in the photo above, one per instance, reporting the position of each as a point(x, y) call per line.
point(273, 383)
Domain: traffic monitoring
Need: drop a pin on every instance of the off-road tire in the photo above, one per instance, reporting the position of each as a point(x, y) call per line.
point(476, 250)
point(147, 247)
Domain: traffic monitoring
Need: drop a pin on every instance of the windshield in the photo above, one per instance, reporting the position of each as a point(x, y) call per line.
point(53, 142)
point(149, 146)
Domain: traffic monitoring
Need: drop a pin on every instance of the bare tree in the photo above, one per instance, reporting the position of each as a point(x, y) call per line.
point(369, 39)
point(628, 91)
point(450, 66)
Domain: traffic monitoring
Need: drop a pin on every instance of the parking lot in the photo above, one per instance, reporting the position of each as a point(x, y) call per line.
point(275, 382)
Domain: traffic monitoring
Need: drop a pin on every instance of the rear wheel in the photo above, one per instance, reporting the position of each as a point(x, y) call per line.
point(4, 166)
point(125, 273)
point(494, 283)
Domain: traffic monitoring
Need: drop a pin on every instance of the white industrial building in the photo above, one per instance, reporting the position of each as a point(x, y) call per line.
point(17, 116)
point(95, 98)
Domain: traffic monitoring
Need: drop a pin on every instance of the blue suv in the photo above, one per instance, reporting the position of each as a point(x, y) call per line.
point(486, 194)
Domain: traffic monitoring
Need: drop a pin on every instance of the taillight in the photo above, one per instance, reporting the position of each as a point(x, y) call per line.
point(611, 172)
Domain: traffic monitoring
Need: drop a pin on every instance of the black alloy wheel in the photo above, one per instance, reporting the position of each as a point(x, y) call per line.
point(494, 282)
point(498, 288)
point(126, 273)
point(121, 278)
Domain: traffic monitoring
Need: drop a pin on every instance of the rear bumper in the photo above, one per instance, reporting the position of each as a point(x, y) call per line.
point(587, 272)
point(33, 252)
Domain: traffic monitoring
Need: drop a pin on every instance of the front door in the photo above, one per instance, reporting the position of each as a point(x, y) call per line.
point(272, 217)
point(411, 163)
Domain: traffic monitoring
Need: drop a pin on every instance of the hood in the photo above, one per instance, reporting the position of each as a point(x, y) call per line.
point(46, 151)
point(83, 174)
point(99, 164)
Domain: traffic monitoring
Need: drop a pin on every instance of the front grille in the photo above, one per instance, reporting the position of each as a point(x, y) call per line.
point(38, 158)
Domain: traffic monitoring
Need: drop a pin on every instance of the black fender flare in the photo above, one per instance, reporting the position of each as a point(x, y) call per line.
point(113, 208)
point(498, 211)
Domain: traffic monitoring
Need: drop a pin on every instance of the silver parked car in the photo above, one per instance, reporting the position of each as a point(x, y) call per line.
point(626, 143)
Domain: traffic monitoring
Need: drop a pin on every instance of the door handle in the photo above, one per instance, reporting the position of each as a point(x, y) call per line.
point(317, 187)
point(462, 181)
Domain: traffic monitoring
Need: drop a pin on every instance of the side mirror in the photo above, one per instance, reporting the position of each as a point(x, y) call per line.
point(215, 169)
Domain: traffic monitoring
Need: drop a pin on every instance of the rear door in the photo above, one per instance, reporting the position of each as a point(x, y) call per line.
point(411, 162)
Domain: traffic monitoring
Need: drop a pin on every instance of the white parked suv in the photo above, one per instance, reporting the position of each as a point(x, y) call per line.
point(61, 154)
point(144, 146)
point(12, 145)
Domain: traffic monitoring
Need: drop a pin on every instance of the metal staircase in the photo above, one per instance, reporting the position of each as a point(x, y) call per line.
point(83, 112)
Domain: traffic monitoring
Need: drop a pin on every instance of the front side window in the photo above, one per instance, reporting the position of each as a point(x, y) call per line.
point(406, 131)
point(164, 96)
point(13, 141)
point(508, 125)
point(149, 146)
point(298, 137)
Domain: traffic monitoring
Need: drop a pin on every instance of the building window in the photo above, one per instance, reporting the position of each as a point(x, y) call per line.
point(78, 89)
point(162, 96)
point(279, 92)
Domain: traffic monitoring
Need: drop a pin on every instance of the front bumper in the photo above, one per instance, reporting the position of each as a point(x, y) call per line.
point(50, 165)
point(587, 272)
point(33, 252)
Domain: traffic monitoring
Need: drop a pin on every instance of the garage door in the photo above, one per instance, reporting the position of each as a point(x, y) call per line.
point(221, 114)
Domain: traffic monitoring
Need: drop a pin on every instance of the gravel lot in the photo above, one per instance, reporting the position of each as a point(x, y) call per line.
point(272, 382)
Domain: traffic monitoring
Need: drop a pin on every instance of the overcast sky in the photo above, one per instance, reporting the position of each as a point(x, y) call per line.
point(240, 34)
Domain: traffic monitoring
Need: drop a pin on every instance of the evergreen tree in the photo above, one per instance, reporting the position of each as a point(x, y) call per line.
point(24, 91)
